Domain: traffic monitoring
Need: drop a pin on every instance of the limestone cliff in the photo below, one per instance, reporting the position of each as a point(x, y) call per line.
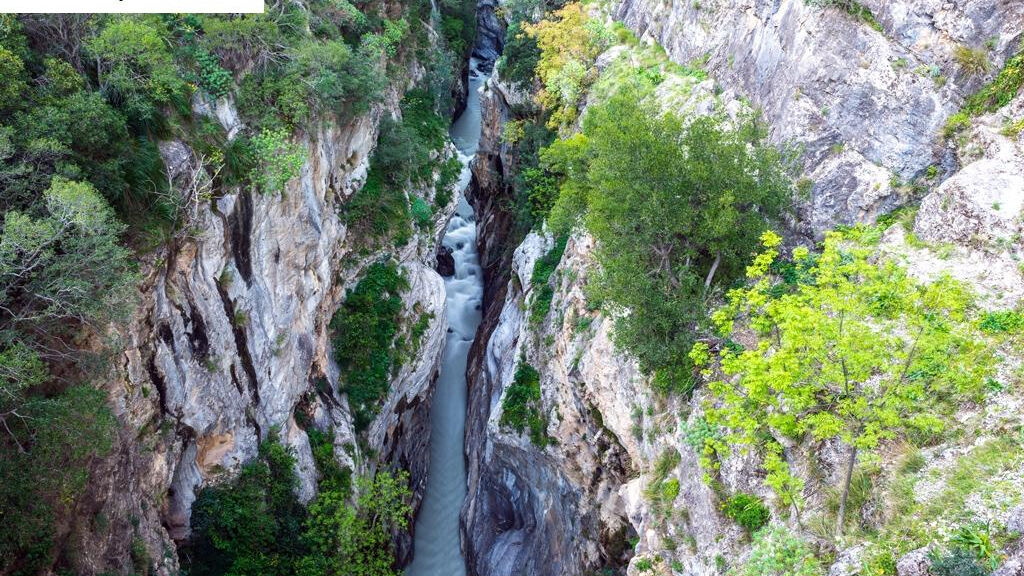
point(866, 101)
point(231, 341)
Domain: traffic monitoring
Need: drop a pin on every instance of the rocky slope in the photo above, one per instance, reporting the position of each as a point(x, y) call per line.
point(867, 106)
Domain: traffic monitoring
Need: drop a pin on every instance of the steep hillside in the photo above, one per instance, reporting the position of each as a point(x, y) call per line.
point(607, 427)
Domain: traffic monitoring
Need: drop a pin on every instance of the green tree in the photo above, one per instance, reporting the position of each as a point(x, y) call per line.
point(848, 349)
point(364, 331)
point(674, 206)
point(346, 540)
point(135, 68)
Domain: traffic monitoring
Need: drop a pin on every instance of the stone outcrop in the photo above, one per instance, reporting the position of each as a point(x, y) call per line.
point(231, 340)
point(863, 104)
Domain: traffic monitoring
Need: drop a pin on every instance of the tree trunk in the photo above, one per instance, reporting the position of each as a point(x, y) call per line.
point(711, 273)
point(846, 491)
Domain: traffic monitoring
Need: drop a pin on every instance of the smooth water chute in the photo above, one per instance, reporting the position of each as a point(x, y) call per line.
point(437, 550)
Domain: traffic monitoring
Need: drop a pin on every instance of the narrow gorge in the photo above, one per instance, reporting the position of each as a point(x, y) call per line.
point(510, 287)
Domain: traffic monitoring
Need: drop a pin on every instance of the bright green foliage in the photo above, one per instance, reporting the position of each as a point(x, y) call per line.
point(850, 349)
point(674, 207)
point(346, 540)
point(992, 96)
point(12, 74)
point(135, 68)
point(364, 331)
point(999, 91)
point(1002, 321)
point(778, 552)
point(521, 407)
point(569, 43)
point(253, 525)
point(277, 160)
point(540, 280)
point(747, 510)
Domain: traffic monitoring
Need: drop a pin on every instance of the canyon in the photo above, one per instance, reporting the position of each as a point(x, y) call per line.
point(230, 340)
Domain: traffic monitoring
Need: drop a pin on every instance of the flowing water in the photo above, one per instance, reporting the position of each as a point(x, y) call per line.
point(437, 551)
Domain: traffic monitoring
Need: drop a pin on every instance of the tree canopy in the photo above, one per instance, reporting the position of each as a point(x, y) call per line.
point(846, 348)
point(675, 205)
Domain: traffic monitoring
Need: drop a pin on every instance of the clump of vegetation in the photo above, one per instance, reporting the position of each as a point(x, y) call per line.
point(540, 280)
point(252, 525)
point(667, 231)
point(974, 61)
point(569, 43)
point(364, 332)
point(276, 160)
point(957, 562)
point(662, 490)
point(519, 57)
point(991, 97)
point(848, 349)
point(747, 510)
point(403, 158)
point(256, 525)
point(852, 7)
point(778, 552)
point(521, 407)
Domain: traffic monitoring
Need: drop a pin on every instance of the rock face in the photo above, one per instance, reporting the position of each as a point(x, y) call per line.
point(864, 104)
point(867, 106)
point(231, 341)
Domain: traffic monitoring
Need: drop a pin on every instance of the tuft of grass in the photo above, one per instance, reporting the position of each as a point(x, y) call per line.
point(974, 61)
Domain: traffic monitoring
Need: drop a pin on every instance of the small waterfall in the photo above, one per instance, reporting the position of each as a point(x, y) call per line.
point(437, 550)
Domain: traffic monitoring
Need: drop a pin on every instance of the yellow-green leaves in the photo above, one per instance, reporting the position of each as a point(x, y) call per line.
point(848, 348)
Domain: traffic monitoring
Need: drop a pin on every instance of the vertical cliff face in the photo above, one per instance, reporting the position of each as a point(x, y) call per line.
point(231, 341)
point(865, 102)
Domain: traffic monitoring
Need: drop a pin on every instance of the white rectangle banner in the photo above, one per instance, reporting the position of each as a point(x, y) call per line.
point(132, 6)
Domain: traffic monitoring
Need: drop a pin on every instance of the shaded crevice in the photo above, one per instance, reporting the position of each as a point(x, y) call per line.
point(240, 229)
point(241, 345)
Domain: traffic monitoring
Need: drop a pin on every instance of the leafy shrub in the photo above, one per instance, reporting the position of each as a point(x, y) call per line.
point(256, 525)
point(252, 525)
point(519, 57)
point(1002, 321)
point(747, 510)
point(277, 160)
point(957, 562)
point(540, 279)
point(667, 231)
point(778, 552)
point(363, 336)
point(521, 407)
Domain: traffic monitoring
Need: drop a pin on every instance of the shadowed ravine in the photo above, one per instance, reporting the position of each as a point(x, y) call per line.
point(437, 551)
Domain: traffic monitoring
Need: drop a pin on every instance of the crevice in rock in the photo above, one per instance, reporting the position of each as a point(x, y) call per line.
point(241, 345)
point(240, 225)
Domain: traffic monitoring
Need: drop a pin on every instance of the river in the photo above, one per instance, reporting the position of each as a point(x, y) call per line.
point(437, 550)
